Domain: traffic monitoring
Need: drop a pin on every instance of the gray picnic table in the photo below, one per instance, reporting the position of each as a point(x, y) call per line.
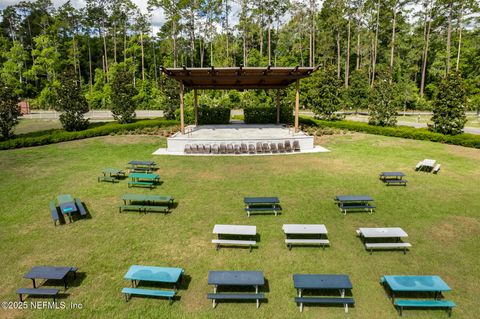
point(262, 204)
point(322, 282)
point(238, 279)
point(113, 172)
point(385, 232)
point(388, 175)
point(142, 163)
point(348, 202)
point(49, 272)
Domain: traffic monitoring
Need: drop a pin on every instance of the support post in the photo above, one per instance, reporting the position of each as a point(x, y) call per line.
point(182, 122)
point(278, 109)
point(195, 106)
point(297, 104)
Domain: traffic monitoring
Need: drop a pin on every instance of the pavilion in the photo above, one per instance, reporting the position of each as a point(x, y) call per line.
point(237, 78)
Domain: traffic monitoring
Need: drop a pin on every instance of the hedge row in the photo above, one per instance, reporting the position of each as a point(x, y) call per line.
point(56, 136)
point(467, 140)
point(266, 115)
point(213, 115)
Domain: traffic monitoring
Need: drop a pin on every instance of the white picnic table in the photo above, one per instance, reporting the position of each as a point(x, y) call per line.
point(429, 162)
point(235, 230)
point(304, 229)
point(386, 232)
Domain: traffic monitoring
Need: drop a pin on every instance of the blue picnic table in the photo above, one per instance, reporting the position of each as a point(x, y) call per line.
point(157, 274)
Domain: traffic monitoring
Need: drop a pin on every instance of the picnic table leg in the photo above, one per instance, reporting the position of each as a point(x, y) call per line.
point(20, 295)
point(65, 282)
point(299, 292)
point(33, 280)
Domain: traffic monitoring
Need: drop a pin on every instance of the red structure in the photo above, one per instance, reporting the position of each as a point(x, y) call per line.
point(24, 107)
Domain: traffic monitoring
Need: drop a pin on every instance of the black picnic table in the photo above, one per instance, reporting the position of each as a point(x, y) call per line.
point(49, 272)
point(236, 278)
point(391, 175)
point(262, 204)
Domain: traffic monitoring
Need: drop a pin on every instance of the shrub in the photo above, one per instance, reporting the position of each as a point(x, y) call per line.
point(213, 115)
point(383, 103)
point(467, 140)
point(97, 129)
point(9, 112)
point(267, 115)
point(122, 96)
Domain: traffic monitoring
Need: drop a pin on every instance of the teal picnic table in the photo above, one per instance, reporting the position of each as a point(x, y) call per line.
point(161, 199)
point(67, 205)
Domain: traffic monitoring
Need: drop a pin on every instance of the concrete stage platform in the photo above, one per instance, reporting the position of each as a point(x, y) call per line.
point(237, 134)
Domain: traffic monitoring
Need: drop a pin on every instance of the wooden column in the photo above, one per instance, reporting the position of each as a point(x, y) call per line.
point(278, 107)
point(182, 122)
point(195, 105)
point(297, 104)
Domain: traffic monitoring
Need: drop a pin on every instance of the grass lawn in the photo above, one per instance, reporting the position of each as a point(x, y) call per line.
point(439, 212)
point(34, 125)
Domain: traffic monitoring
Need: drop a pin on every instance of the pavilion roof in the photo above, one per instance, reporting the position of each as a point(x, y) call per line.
point(238, 77)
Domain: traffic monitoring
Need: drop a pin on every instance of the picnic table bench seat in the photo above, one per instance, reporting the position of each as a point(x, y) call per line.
point(324, 300)
point(81, 208)
point(274, 208)
point(163, 209)
point(420, 303)
point(322, 242)
point(219, 242)
point(38, 292)
point(142, 184)
point(346, 206)
point(148, 292)
point(111, 179)
point(54, 212)
point(372, 246)
point(396, 182)
point(233, 296)
point(130, 207)
point(436, 169)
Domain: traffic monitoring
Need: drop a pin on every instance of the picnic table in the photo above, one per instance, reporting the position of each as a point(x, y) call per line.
point(354, 202)
point(141, 166)
point(262, 204)
point(395, 233)
point(50, 273)
point(113, 172)
point(341, 283)
point(427, 164)
point(144, 176)
point(138, 273)
point(306, 231)
point(416, 284)
point(225, 232)
point(67, 204)
point(162, 199)
point(236, 278)
point(395, 178)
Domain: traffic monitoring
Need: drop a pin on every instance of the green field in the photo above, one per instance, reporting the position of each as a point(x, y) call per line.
point(439, 212)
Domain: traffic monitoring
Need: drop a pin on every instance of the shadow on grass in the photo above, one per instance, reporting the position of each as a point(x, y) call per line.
point(71, 282)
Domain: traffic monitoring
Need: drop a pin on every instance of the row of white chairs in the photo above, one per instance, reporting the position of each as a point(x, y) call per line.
point(258, 148)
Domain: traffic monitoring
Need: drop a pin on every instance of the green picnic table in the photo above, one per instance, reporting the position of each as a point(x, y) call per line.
point(113, 172)
point(147, 198)
point(144, 176)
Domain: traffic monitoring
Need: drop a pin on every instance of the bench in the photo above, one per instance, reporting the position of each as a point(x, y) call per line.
point(38, 292)
point(401, 303)
point(256, 297)
point(148, 292)
point(161, 209)
point(372, 246)
point(81, 208)
point(345, 207)
point(54, 213)
point(142, 184)
point(324, 301)
point(395, 182)
point(274, 209)
point(107, 179)
point(436, 169)
point(322, 242)
point(219, 242)
point(419, 164)
point(131, 207)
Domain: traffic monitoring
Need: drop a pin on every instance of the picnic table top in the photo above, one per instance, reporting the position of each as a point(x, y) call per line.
point(236, 278)
point(47, 272)
point(158, 274)
point(144, 176)
point(147, 198)
point(392, 174)
point(386, 232)
point(235, 230)
point(261, 200)
point(140, 163)
point(428, 162)
point(321, 282)
point(112, 171)
point(416, 283)
point(304, 229)
point(66, 203)
point(354, 198)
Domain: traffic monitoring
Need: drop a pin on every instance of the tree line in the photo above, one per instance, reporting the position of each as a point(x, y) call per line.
point(408, 47)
